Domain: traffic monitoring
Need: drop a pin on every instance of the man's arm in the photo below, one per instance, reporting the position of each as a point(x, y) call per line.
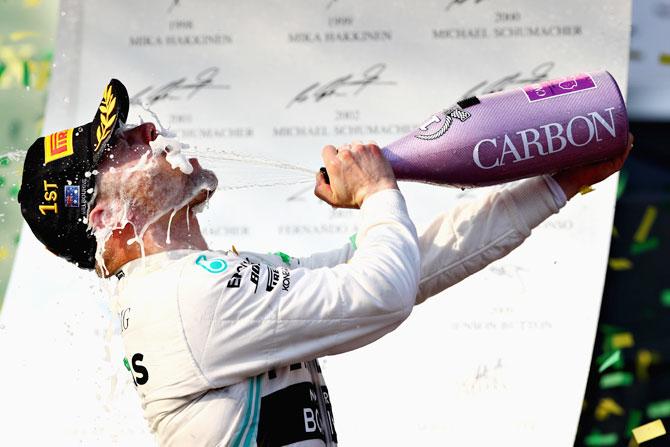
point(467, 238)
point(458, 243)
point(253, 317)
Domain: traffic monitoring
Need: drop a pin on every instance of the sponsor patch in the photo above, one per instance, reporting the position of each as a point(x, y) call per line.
point(58, 145)
point(292, 415)
point(72, 196)
point(214, 265)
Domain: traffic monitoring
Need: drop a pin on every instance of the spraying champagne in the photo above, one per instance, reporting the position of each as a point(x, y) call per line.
point(500, 137)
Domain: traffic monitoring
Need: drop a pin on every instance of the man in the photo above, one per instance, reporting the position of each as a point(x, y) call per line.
point(222, 346)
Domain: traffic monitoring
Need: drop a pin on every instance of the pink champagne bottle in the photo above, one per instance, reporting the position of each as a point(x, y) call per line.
point(499, 137)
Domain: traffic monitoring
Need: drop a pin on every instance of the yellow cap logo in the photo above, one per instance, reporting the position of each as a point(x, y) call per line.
point(58, 145)
point(107, 117)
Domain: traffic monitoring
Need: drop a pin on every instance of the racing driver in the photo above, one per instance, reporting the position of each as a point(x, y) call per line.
point(223, 346)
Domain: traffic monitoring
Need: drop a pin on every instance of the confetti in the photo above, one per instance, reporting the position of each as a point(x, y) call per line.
point(616, 379)
point(601, 439)
point(645, 226)
point(126, 364)
point(4, 253)
point(21, 35)
point(586, 189)
point(2, 68)
point(4, 161)
point(622, 340)
point(665, 297)
point(648, 431)
point(607, 407)
point(620, 264)
point(660, 409)
point(634, 419)
point(664, 59)
point(2, 181)
point(26, 74)
point(621, 186)
point(644, 360)
point(641, 247)
point(612, 359)
point(14, 191)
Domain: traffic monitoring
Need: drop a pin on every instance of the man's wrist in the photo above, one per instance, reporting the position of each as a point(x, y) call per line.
point(382, 186)
point(567, 184)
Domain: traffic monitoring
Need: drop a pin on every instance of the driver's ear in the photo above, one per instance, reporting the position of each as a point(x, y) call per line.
point(97, 217)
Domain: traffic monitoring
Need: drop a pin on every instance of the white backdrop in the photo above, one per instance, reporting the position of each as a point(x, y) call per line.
point(501, 357)
point(649, 87)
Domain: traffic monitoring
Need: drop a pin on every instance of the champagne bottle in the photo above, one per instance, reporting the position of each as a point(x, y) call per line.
point(500, 137)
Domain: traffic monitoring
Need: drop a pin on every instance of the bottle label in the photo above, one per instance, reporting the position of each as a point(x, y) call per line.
point(559, 87)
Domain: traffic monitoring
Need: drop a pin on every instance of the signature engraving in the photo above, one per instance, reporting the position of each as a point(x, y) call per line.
point(181, 88)
point(173, 4)
point(537, 74)
point(339, 86)
point(460, 2)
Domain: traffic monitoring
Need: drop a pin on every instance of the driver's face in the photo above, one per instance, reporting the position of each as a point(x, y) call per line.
point(156, 184)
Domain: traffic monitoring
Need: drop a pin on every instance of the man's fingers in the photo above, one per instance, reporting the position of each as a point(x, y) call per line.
point(328, 153)
point(322, 189)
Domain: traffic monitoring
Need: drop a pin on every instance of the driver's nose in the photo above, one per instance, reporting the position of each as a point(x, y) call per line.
point(142, 134)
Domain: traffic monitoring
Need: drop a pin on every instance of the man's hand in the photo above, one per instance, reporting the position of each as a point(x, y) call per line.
point(574, 179)
point(356, 171)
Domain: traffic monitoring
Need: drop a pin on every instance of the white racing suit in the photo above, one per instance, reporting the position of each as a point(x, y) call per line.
point(222, 347)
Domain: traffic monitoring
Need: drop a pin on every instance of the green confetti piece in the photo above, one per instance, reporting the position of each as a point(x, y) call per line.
point(634, 420)
point(665, 297)
point(2, 181)
point(616, 379)
point(623, 181)
point(641, 247)
point(657, 410)
point(609, 329)
point(26, 74)
point(608, 360)
point(286, 259)
point(14, 191)
point(125, 362)
point(4, 161)
point(352, 239)
point(17, 238)
point(601, 439)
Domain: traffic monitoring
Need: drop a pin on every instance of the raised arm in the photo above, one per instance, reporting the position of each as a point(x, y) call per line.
point(464, 240)
point(251, 317)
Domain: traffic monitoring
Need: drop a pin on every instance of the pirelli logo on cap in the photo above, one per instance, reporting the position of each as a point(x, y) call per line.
point(58, 145)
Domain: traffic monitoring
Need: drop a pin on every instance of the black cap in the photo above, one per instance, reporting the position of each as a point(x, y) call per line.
point(58, 184)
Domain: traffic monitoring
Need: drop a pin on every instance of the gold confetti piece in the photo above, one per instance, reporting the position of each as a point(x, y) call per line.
point(622, 340)
point(21, 35)
point(645, 359)
point(607, 407)
point(620, 264)
point(32, 3)
point(4, 253)
point(649, 431)
point(585, 189)
point(234, 250)
point(664, 59)
point(645, 226)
